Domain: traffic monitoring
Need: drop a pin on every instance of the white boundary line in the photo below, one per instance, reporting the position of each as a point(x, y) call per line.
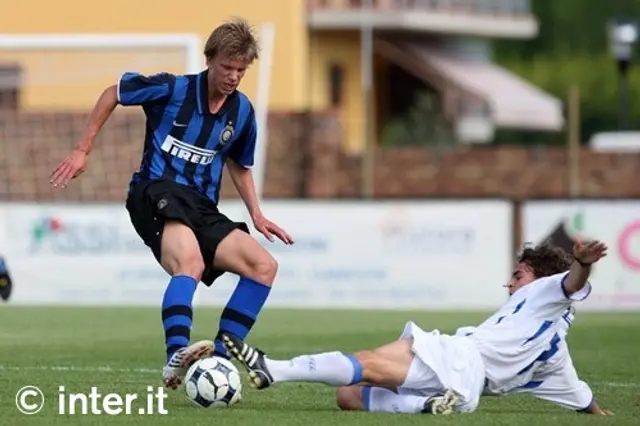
point(77, 369)
point(149, 371)
point(618, 384)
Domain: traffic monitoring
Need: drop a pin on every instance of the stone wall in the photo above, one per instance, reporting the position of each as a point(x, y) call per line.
point(305, 160)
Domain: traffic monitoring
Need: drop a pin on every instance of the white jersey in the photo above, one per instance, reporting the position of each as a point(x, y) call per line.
point(555, 379)
point(568, 317)
point(525, 333)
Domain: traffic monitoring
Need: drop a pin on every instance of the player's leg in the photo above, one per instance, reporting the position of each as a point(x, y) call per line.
point(159, 211)
point(386, 366)
point(181, 259)
point(378, 370)
point(377, 399)
point(241, 254)
point(349, 398)
point(424, 397)
point(440, 366)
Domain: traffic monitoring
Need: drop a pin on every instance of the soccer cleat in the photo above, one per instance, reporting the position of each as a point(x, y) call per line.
point(252, 359)
point(218, 349)
point(182, 359)
point(442, 405)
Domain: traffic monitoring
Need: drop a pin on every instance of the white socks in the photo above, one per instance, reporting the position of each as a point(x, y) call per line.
point(338, 369)
point(331, 368)
point(382, 400)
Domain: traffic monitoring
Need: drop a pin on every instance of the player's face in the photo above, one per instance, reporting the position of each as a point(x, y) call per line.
point(522, 275)
point(227, 73)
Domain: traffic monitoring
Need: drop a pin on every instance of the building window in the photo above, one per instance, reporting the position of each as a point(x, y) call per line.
point(9, 86)
point(336, 83)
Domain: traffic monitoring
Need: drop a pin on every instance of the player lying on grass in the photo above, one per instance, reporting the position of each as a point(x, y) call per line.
point(196, 125)
point(518, 349)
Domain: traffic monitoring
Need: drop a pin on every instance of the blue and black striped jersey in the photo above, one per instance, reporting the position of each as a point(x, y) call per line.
point(184, 142)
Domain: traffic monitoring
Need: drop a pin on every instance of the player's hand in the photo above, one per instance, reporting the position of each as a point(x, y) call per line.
point(269, 229)
point(594, 408)
point(70, 168)
point(601, 411)
point(589, 252)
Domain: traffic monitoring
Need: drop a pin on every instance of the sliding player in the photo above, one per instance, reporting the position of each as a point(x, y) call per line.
point(518, 349)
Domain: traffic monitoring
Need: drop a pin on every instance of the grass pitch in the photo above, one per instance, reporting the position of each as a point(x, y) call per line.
point(121, 350)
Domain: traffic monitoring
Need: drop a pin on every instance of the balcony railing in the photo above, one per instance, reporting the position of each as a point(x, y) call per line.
point(477, 7)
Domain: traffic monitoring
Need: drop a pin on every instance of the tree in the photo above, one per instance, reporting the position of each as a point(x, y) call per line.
point(572, 48)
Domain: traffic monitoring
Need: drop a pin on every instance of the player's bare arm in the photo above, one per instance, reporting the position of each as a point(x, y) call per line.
point(585, 254)
point(243, 181)
point(75, 162)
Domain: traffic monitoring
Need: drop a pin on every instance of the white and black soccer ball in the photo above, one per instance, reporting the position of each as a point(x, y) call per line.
point(213, 382)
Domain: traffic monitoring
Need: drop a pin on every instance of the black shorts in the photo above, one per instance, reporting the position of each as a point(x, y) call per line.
point(152, 202)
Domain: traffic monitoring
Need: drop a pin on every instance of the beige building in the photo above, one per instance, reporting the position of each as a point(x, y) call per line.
point(440, 47)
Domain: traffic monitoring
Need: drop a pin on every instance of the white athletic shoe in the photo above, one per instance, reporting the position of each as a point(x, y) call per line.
point(175, 370)
point(442, 405)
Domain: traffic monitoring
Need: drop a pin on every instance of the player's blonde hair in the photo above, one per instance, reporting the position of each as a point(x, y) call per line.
point(235, 39)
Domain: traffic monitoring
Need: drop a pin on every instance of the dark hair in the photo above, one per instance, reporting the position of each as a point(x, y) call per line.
point(545, 259)
point(235, 39)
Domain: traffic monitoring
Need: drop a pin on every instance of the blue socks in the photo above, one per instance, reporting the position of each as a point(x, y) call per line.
point(241, 311)
point(177, 312)
point(237, 318)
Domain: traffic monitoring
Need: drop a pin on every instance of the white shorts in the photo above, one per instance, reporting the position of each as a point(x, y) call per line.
point(444, 362)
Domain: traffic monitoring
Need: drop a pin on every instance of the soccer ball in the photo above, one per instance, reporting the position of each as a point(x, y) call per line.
point(213, 382)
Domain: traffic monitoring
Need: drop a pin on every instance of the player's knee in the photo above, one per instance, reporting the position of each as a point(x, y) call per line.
point(366, 357)
point(194, 267)
point(181, 251)
point(263, 268)
point(371, 366)
point(349, 398)
point(380, 370)
point(191, 265)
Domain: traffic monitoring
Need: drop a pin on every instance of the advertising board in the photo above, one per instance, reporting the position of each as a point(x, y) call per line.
point(419, 255)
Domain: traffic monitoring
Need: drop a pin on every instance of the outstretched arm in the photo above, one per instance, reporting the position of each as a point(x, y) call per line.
point(243, 181)
point(132, 89)
point(585, 254)
point(74, 164)
point(102, 110)
point(242, 178)
point(242, 156)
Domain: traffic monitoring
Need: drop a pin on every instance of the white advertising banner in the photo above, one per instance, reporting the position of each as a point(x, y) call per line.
point(432, 254)
point(616, 278)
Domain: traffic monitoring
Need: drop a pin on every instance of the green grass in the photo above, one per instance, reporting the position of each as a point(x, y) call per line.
point(35, 340)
